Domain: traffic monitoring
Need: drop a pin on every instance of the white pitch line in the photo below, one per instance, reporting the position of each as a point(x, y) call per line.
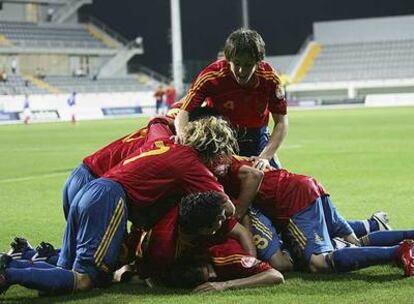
point(26, 178)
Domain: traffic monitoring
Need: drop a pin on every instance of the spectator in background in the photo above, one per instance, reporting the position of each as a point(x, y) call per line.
point(3, 76)
point(40, 73)
point(159, 98)
point(14, 66)
point(50, 13)
point(170, 95)
point(27, 113)
point(72, 107)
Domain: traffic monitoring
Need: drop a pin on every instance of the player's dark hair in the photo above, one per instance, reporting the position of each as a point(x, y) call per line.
point(199, 210)
point(185, 273)
point(244, 41)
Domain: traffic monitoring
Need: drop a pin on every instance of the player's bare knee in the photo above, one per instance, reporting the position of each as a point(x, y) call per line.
point(277, 277)
point(83, 282)
point(281, 261)
point(352, 238)
point(318, 263)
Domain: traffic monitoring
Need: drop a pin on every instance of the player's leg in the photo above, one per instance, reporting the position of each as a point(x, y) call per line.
point(306, 236)
point(268, 244)
point(354, 258)
point(76, 180)
point(377, 222)
point(40, 276)
point(101, 228)
point(101, 219)
point(386, 238)
point(337, 226)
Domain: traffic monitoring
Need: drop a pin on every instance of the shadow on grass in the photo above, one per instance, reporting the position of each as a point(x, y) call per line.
point(126, 289)
point(343, 277)
point(116, 289)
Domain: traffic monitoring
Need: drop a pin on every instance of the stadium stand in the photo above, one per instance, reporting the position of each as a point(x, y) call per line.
point(349, 59)
point(27, 34)
point(17, 85)
point(363, 61)
point(82, 84)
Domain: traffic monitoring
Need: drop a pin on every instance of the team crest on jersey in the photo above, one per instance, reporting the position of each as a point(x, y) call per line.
point(280, 92)
point(318, 238)
point(249, 261)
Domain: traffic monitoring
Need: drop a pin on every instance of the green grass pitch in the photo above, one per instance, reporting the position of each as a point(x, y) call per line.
point(364, 158)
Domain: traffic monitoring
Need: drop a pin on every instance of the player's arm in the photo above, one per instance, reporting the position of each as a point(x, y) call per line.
point(181, 121)
point(265, 278)
point(278, 133)
point(244, 236)
point(250, 181)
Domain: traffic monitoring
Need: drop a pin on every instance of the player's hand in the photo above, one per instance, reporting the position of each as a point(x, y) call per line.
point(260, 163)
point(210, 286)
point(176, 139)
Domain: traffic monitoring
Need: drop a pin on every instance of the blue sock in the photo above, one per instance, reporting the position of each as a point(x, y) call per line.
point(362, 228)
point(52, 280)
point(19, 264)
point(387, 238)
point(53, 260)
point(353, 258)
point(28, 254)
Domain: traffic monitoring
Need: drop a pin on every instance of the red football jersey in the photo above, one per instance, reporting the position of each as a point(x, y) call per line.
point(109, 156)
point(281, 194)
point(160, 170)
point(244, 106)
point(231, 261)
point(165, 245)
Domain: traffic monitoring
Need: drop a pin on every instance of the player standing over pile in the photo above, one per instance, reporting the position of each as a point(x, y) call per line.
point(244, 89)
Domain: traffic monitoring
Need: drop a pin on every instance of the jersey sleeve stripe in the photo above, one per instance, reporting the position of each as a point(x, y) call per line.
point(199, 84)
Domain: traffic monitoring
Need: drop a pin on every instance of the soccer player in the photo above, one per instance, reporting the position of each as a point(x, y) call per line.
point(27, 113)
point(301, 209)
point(159, 99)
point(72, 107)
point(191, 227)
point(96, 164)
point(97, 218)
point(244, 89)
point(228, 266)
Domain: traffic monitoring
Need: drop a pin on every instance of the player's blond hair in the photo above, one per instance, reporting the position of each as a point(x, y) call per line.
point(212, 137)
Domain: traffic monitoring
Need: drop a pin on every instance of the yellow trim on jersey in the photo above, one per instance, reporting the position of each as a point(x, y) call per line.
point(259, 226)
point(130, 137)
point(300, 237)
point(269, 76)
point(162, 148)
point(231, 259)
point(109, 233)
point(200, 82)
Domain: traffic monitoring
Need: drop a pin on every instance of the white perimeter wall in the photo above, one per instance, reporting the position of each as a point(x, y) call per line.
point(88, 106)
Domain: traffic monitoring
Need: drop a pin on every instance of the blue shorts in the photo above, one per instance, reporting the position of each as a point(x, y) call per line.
point(310, 231)
point(264, 235)
point(76, 180)
point(95, 229)
point(252, 142)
